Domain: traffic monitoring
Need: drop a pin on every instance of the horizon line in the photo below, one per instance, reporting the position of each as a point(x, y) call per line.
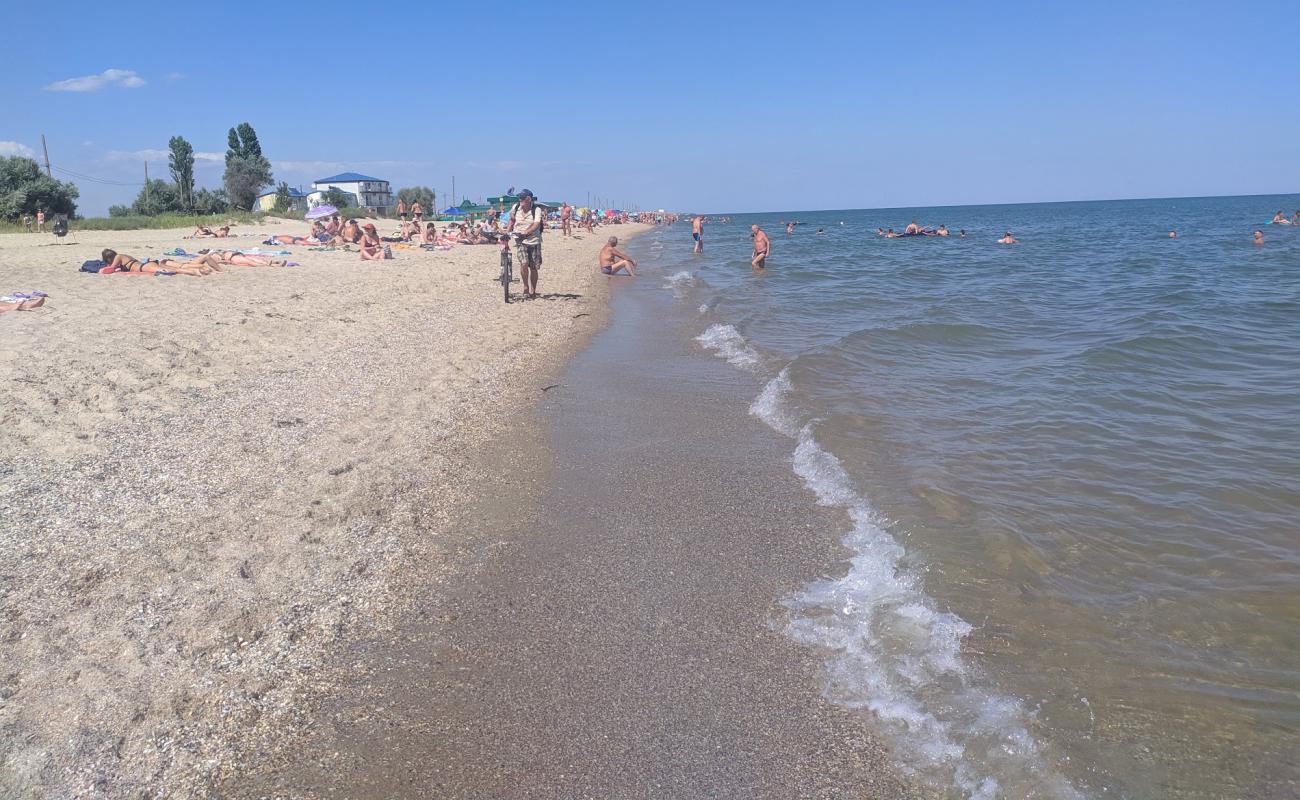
point(1017, 203)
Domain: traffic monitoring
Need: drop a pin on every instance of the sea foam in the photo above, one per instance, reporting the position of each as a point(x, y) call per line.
point(680, 283)
point(890, 651)
point(727, 342)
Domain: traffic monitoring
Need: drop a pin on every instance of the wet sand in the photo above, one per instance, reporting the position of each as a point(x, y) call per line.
point(619, 633)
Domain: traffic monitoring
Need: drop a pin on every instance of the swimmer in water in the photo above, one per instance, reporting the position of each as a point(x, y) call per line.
point(880, 231)
point(912, 230)
point(1280, 219)
point(1259, 237)
point(892, 234)
point(789, 228)
point(1007, 238)
point(962, 233)
point(943, 231)
point(821, 231)
point(1173, 234)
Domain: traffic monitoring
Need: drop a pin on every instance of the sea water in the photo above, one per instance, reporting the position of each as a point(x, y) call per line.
point(1070, 470)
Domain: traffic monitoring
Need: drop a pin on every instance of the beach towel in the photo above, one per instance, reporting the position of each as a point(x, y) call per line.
point(92, 266)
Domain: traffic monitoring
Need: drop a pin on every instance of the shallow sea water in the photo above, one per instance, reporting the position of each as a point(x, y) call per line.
point(1070, 470)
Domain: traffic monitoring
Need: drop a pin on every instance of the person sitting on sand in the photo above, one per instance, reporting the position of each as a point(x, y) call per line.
point(350, 233)
point(372, 249)
point(22, 301)
point(1007, 238)
point(613, 260)
point(202, 232)
point(121, 262)
point(333, 226)
point(430, 234)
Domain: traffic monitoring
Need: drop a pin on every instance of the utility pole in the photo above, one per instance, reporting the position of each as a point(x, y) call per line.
point(46, 150)
point(146, 182)
point(453, 190)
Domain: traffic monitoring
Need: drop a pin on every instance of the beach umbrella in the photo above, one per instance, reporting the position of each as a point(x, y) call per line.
point(452, 210)
point(321, 211)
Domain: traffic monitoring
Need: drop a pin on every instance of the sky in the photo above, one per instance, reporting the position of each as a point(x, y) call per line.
point(710, 107)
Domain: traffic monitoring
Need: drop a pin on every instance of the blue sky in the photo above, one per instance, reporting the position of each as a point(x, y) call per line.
point(708, 106)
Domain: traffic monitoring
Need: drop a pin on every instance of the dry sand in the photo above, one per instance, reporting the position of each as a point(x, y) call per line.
point(209, 484)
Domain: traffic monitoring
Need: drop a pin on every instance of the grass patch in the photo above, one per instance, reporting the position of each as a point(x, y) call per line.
point(131, 223)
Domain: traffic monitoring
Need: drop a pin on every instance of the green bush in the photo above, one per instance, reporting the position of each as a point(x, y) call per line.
point(354, 213)
point(136, 222)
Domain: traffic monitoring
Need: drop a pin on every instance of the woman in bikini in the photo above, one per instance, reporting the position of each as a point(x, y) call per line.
point(372, 249)
point(121, 262)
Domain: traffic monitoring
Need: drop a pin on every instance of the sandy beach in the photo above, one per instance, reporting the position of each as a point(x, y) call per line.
point(208, 485)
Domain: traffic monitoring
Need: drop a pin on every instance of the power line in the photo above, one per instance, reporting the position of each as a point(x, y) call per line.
point(93, 179)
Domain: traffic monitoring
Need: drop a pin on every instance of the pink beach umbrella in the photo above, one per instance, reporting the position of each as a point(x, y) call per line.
point(320, 211)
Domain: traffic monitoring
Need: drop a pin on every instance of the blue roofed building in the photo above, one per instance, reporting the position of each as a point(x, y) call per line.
point(367, 192)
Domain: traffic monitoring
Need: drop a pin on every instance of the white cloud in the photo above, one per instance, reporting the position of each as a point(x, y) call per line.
point(202, 156)
point(175, 76)
point(125, 78)
point(137, 155)
point(16, 149)
point(312, 167)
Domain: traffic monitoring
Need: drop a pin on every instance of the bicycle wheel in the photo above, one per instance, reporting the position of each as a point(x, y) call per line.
point(506, 270)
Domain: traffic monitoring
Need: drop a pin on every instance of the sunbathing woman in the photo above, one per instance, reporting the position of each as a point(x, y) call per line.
point(121, 262)
point(372, 249)
point(316, 236)
point(238, 259)
point(22, 301)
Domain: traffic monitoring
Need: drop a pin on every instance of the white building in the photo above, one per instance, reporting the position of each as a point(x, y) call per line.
point(367, 192)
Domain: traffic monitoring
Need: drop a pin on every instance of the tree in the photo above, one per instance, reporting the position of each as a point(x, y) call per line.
point(207, 201)
point(243, 142)
point(159, 197)
point(282, 198)
point(334, 196)
point(24, 189)
point(247, 170)
point(427, 197)
point(181, 162)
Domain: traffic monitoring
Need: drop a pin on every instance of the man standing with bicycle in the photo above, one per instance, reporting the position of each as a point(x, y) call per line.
point(526, 223)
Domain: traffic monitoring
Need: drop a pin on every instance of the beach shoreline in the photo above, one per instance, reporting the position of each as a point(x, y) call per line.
point(212, 484)
point(620, 630)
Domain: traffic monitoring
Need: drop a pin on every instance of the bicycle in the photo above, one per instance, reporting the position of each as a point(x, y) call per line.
point(507, 267)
